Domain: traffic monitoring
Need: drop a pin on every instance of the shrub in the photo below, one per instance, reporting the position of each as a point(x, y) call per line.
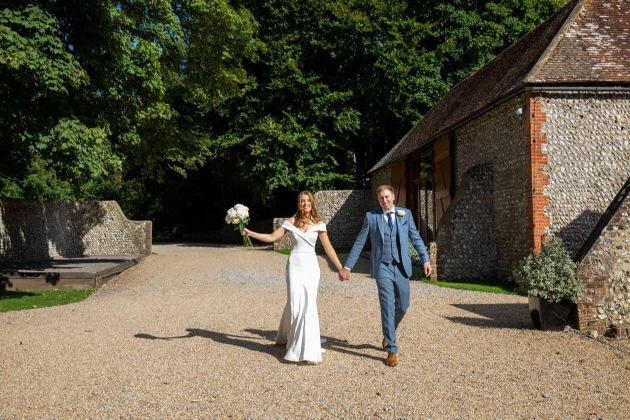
point(415, 257)
point(550, 274)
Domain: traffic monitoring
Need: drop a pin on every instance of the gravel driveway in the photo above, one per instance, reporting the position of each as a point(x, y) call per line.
point(189, 334)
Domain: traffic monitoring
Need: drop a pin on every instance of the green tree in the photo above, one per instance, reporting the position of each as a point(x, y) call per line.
point(468, 33)
point(337, 84)
point(112, 90)
point(37, 76)
point(125, 99)
point(340, 83)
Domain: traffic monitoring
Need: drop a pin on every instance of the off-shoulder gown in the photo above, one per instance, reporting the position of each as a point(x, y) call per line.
point(299, 326)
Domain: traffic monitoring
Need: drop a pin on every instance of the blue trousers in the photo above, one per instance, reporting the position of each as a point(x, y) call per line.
point(393, 295)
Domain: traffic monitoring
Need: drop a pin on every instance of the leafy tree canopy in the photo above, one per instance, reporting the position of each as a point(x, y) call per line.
point(106, 90)
point(469, 33)
point(336, 85)
point(171, 105)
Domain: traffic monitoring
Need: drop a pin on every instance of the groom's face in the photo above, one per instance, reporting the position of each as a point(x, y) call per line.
point(386, 200)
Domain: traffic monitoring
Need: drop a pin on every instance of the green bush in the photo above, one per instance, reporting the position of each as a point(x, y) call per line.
point(550, 274)
point(415, 257)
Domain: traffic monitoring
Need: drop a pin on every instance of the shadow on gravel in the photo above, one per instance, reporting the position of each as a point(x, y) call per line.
point(252, 343)
point(332, 344)
point(503, 315)
point(342, 346)
point(246, 342)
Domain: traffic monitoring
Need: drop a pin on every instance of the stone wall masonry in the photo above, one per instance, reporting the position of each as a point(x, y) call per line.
point(588, 153)
point(42, 230)
point(382, 177)
point(497, 138)
point(604, 305)
point(343, 212)
point(469, 216)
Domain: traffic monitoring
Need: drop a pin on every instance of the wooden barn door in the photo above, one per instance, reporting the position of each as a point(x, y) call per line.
point(442, 162)
point(430, 187)
point(422, 193)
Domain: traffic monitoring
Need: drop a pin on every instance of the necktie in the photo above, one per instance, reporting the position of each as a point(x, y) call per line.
point(390, 221)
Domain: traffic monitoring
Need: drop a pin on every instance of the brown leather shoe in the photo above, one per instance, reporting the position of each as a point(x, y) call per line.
point(384, 344)
point(391, 360)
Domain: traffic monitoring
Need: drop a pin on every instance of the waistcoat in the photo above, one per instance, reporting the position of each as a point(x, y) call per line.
point(391, 244)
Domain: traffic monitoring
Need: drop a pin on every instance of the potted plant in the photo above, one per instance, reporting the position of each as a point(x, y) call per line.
point(550, 279)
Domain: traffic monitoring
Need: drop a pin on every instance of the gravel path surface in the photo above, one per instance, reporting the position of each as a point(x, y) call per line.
point(188, 333)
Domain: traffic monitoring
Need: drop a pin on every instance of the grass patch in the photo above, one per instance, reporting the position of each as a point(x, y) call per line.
point(29, 299)
point(487, 286)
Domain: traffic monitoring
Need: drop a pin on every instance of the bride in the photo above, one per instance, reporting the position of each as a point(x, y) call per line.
point(299, 325)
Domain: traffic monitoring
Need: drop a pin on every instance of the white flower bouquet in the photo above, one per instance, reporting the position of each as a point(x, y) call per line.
point(239, 217)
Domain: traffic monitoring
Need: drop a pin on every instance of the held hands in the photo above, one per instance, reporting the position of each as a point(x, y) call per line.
point(344, 274)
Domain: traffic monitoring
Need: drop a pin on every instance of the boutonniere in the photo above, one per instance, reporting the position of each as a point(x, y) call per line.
point(400, 213)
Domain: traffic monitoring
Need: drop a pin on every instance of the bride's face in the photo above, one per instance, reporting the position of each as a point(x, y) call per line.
point(305, 204)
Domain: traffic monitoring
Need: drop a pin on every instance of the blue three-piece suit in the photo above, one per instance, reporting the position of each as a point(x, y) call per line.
point(390, 263)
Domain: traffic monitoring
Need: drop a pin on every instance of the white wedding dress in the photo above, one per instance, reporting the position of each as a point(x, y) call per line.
point(299, 326)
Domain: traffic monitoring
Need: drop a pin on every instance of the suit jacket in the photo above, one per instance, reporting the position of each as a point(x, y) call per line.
point(374, 225)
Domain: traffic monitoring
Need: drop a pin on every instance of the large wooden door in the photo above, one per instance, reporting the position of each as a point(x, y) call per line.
point(442, 163)
point(430, 187)
point(422, 195)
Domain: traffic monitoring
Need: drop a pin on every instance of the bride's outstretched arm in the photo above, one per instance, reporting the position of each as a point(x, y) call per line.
point(265, 237)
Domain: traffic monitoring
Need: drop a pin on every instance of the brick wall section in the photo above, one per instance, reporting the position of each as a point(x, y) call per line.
point(41, 230)
point(604, 305)
point(537, 200)
point(588, 152)
point(343, 212)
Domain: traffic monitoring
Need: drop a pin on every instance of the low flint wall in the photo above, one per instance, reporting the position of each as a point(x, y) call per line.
point(42, 230)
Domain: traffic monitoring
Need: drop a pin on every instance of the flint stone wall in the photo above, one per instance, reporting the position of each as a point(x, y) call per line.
point(343, 212)
point(586, 144)
point(494, 207)
point(604, 305)
point(466, 247)
point(382, 177)
point(588, 152)
point(42, 230)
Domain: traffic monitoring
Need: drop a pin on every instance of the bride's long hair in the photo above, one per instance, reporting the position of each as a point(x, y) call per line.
point(302, 219)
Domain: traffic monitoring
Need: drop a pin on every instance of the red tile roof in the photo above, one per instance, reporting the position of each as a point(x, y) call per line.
point(586, 43)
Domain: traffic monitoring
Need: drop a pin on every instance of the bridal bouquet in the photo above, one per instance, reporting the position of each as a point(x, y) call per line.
point(239, 216)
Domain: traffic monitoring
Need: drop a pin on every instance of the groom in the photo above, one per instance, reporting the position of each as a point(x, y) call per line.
point(390, 229)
